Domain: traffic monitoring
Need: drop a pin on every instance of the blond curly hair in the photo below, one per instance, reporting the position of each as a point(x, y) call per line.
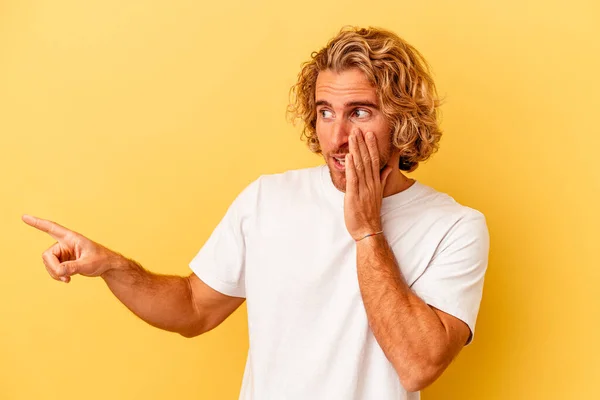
point(406, 92)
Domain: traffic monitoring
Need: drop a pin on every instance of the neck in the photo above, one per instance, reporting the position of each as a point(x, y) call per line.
point(396, 183)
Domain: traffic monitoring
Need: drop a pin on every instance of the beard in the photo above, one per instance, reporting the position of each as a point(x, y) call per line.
point(339, 177)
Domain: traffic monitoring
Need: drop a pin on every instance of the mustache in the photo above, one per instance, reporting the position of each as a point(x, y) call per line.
point(344, 151)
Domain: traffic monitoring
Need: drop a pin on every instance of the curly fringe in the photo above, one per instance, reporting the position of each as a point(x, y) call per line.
point(406, 91)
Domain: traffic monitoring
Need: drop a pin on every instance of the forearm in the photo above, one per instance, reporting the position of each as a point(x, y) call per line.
point(162, 301)
point(407, 329)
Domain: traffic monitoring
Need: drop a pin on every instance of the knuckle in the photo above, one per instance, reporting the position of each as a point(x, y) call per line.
point(71, 268)
point(53, 270)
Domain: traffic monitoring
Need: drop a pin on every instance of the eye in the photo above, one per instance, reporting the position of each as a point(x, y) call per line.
point(325, 113)
point(361, 113)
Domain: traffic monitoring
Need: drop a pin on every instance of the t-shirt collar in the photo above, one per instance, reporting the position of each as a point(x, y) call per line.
point(389, 202)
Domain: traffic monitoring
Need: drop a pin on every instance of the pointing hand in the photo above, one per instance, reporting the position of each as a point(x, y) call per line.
point(73, 253)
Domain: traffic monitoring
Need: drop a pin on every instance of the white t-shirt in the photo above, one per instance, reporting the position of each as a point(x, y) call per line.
point(284, 246)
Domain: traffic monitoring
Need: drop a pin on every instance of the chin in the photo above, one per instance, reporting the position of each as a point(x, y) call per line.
point(338, 178)
point(340, 185)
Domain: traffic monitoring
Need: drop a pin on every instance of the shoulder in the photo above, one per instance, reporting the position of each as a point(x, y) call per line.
point(295, 178)
point(441, 205)
point(291, 184)
point(440, 215)
point(274, 186)
point(465, 225)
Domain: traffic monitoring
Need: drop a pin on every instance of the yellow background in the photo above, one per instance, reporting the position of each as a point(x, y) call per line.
point(137, 123)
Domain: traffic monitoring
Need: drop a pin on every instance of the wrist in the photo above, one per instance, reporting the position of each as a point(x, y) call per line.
point(368, 235)
point(372, 228)
point(117, 263)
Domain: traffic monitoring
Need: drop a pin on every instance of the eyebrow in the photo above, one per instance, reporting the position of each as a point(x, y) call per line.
point(359, 103)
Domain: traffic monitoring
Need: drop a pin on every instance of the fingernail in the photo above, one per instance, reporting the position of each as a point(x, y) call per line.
point(370, 135)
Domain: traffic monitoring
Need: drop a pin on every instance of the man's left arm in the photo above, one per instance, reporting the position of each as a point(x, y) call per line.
point(419, 340)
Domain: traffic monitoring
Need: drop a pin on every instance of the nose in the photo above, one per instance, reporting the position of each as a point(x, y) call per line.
point(341, 133)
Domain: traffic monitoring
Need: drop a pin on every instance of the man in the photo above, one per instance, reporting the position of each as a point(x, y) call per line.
point(360, 282)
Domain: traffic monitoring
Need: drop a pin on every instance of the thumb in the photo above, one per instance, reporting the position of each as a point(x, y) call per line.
point(70, 268)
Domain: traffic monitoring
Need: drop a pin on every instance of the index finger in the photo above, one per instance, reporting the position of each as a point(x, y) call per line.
point(53, 229)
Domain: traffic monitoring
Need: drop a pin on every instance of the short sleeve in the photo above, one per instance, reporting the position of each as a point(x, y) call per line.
point(220, 263)
point(453, 280)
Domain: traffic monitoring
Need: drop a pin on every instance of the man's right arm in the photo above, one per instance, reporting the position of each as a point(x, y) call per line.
point(185, 305)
